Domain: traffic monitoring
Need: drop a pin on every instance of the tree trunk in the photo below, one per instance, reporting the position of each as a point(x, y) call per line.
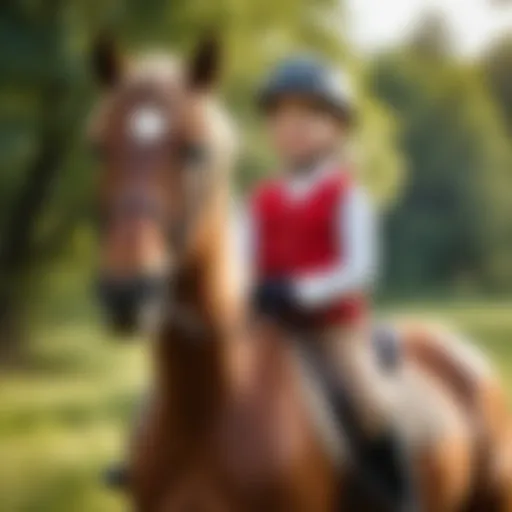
point(17, 255)
point(12, 330)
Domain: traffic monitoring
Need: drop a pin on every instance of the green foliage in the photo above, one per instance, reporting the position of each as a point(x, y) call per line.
point(451, 221)
point(498, 74)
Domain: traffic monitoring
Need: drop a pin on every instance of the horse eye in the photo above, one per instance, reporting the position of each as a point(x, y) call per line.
point(194, 154)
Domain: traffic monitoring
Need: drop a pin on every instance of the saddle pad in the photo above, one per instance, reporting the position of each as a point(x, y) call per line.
point(387, 346)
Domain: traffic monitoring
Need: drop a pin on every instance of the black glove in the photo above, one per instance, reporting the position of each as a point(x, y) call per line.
point(275, 298)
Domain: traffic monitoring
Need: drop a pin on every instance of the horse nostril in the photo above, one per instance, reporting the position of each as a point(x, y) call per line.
point(119, 303)
point(125, 299)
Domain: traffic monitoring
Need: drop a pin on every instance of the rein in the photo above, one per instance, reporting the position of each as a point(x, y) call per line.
point(182, 315)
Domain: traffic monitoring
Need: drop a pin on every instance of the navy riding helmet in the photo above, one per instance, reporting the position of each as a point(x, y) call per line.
point(313, 78)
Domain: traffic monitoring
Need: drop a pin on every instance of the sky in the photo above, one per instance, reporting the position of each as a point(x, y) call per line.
point(475, 24)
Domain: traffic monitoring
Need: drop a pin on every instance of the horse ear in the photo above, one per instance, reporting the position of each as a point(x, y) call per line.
point(205, 66)
point(106, 61)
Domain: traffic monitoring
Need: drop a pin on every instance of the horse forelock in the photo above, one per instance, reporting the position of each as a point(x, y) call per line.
point(158, 66)
point(163, 71)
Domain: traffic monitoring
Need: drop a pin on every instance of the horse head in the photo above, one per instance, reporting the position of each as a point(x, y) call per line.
point(162, 143)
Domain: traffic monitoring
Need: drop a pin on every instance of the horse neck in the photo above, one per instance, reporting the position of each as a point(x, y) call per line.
point(191, 373)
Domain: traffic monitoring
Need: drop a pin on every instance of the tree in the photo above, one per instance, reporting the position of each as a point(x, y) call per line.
point(449, 223)
point(497, 67)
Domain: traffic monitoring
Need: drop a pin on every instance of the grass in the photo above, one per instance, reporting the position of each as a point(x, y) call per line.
point(63, 419)
point(66, 416)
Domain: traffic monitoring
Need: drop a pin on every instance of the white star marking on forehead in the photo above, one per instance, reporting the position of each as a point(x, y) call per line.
point(148, 124)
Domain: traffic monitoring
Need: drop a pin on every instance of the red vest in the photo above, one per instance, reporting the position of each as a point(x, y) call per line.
point(300, 237)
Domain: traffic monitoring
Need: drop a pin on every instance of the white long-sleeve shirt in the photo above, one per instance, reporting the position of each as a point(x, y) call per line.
point(357, 234)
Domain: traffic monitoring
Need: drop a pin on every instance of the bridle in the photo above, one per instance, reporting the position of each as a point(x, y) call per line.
point(182, 315)
point(195, 160)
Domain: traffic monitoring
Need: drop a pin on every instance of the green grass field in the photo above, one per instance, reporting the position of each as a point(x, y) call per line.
point(64, 417)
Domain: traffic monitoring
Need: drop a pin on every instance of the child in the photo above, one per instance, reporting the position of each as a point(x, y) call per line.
point(310, 235)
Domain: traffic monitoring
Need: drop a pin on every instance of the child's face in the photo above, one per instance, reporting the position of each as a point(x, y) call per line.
point(299, 130)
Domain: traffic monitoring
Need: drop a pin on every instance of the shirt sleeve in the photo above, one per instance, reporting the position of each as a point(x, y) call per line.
point(244, 234)
point(357, 271)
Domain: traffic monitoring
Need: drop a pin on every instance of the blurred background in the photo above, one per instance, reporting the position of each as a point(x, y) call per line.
point(434, 80)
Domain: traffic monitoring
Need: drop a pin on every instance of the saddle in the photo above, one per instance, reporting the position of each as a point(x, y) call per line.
point(336, 416)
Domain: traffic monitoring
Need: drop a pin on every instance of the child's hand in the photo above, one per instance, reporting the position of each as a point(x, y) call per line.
point(275, 298)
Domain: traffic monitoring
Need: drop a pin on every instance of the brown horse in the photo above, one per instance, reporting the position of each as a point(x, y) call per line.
point(230, 425)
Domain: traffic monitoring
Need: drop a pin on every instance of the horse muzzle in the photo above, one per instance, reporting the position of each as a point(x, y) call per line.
point(132, 304)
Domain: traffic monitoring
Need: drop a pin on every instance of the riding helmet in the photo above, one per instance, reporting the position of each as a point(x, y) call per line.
point(313, 78)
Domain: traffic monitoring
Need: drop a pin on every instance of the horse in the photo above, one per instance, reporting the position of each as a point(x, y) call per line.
point(231, 422)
